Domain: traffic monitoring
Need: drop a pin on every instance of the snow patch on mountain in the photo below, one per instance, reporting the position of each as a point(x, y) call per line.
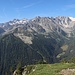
point(73, 19)
point(15, 21)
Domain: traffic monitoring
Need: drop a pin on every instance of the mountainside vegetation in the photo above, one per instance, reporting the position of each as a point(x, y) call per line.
point(39, 40)
point(47, 69)
point(13, 50)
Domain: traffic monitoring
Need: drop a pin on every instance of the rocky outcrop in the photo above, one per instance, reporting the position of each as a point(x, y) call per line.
point(25, 70)
point(67, 72)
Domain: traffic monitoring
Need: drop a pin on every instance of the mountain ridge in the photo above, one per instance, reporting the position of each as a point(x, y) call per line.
point(60, 20)
point(42, 24)
point(41, 39)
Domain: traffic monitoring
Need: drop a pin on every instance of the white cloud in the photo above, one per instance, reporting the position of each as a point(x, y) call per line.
point(70, 6)
point(67, 7)
point(27, 6)
point(19, 10)
point(1, 17)
point(4, 13)
point(22, 8)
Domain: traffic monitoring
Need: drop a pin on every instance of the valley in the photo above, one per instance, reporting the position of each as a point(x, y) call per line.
point(41, 39)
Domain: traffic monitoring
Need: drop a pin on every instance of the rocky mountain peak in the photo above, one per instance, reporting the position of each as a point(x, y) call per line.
point(73, 19)
point(43, 24)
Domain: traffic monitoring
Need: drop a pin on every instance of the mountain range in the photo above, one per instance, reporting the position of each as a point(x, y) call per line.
point(45, 39)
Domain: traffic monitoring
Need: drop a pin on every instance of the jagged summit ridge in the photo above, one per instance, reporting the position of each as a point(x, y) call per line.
point(42, 25)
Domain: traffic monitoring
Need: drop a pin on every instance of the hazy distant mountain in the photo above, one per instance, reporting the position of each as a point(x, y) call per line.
point(38, 39)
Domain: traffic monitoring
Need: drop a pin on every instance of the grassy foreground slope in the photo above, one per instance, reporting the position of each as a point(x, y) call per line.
point(51, 69)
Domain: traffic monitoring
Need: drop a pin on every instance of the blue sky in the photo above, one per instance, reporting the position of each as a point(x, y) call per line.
point(10, 9)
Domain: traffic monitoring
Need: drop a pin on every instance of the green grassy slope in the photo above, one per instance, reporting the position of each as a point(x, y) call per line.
point(51, 69)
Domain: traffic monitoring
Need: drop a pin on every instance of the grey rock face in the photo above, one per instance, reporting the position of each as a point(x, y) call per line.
point(42, 24)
